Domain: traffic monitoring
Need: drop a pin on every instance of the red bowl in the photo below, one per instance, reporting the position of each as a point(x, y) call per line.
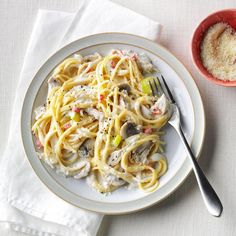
point(228, 16)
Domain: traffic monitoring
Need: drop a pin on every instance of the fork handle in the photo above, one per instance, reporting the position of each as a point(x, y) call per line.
point(209, 195)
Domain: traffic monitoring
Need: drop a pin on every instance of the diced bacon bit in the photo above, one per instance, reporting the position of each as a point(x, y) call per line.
point(76, 109)
point(39, 145)
point(67, 126)
point(90, 70)
point(121, 52)
point(148, 130)
point(101, 97)
point(134, 57)
point(156, 111)
point(113, 64)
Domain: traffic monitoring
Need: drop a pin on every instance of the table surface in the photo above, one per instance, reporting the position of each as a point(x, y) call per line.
point(183, 213)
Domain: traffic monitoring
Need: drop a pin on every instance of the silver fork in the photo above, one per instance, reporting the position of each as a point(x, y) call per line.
point(209, 195)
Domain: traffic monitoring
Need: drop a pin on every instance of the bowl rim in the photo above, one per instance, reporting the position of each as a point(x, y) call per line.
point(207, 75)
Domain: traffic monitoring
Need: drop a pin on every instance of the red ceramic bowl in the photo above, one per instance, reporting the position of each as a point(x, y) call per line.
point(227, 16)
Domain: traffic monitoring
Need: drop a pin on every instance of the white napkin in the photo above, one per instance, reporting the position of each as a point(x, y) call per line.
point(26, 205)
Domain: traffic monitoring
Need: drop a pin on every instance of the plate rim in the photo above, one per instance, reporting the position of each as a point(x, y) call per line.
point(186, 164)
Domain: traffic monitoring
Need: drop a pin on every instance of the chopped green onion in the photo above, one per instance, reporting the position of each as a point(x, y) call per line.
point(146, 86)
point(75, 116)
point(117, 140)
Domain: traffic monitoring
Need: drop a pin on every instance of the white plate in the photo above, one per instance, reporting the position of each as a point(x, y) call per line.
point(77, 192)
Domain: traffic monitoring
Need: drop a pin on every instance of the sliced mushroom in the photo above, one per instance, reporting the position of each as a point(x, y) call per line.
point(124, 87)
point(140, 154)
point(114, 158)
point(86, 150)
point(128, 129)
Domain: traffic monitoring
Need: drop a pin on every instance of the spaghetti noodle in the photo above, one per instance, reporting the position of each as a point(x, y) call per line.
point(101, 121)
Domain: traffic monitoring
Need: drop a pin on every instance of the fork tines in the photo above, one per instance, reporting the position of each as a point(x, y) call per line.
point(158, 90)
point(152, 88)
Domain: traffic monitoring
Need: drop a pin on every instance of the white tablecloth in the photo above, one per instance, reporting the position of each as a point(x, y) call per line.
point(183, 213)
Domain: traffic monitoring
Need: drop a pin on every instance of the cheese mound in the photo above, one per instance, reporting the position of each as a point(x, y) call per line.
point(218, 51)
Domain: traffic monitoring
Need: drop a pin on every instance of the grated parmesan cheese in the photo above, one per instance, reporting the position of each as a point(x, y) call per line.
point(218, 51)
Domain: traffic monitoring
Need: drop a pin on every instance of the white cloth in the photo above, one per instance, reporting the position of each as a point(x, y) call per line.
point(26, 205)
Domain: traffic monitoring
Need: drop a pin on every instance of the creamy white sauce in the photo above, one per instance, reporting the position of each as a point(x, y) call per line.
point(110, 179)
point(39, 111)
point(162, 104)
point(87, 95)
point(145, 63)
point(95, 113)
point(156, 157)
point(84, 171)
